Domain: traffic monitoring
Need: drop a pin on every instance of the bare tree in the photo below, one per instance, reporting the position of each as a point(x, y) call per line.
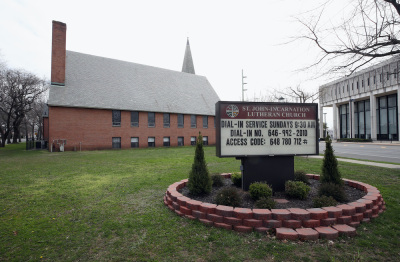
point(261, 97)
point(18, 92)
point(369, 31)
point(297, 94)
point(34, 118)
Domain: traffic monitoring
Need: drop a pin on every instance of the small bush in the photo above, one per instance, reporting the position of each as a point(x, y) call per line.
point(199, 178)
point(237, 179)
point(330, 171)
point(301, 176)
point(324, 201)
point(228, 197)
point(296, 189)
point(258, 190)
point(334, 190)
point(217, 180)
point(266, 203)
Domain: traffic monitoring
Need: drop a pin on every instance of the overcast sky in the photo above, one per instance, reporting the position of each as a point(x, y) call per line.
point(225, 37)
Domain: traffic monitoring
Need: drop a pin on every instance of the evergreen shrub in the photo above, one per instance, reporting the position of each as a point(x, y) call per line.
point(237, 179)
point(217, 180)
point(265, 203)
point(229, 196)
point(332, 190)
point(296, 189)
point(300, 175)
point(258, 190)
point(330, 172)
point(199, 178)
point(324, 201)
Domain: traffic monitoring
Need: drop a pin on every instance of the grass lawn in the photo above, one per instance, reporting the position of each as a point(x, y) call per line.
point(107, 205)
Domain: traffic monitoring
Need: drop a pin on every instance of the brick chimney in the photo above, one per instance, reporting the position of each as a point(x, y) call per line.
point(58, 48)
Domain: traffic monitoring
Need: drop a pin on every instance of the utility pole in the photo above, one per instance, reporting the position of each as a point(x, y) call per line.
point(243, 83)
point(325, 127)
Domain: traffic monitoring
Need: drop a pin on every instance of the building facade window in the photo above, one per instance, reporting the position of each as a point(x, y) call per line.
point(134, 142)
point(344, 121)
point(181, 141)
point(362, 119)
point(180, 121)
point(116, 118)
point(151, 142)
point(193, 122)
point(386, 113)
point(135, 118)
point(166, 120)
point(166, 141)
point(193, 140)
point(116, 142)
point(151, 120)
point(205, 140)
point(205, 121)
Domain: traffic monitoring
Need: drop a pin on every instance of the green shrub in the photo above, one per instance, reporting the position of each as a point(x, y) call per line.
point(266, 203)
point(217, 180)
point(229, 196)
point(237, 179)
point(199, 179)
point(330, 172)
point(301, 176)
point(324, 201)
point(296, 189)
point(258, 190)
point(332, 190)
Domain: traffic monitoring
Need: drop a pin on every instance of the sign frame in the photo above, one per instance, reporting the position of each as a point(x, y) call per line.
point(218, 113)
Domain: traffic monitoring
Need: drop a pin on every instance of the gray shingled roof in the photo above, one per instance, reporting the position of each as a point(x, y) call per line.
point(104, 83)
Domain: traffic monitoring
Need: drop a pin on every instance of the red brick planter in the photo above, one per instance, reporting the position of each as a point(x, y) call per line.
point(292, 223)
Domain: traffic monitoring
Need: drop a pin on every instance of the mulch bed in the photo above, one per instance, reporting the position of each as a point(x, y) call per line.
point(352, 194)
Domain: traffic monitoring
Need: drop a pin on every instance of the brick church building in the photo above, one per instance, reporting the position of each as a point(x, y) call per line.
point(102, 103)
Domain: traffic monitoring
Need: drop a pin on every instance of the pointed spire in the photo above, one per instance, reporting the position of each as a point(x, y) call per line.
point(188, 66)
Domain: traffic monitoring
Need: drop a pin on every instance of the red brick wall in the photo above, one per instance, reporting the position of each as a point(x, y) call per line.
point(58, 53)
point(93, 128)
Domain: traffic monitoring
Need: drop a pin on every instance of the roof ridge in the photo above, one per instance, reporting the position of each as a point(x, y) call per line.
point(129, 62)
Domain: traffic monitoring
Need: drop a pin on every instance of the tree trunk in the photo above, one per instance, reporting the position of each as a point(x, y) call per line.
point(16, 135)
point(9, 138)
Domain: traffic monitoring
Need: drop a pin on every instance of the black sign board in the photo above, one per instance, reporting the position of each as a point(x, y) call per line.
point(246, 129)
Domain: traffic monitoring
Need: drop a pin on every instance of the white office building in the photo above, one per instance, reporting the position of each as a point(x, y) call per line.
point(365, 104)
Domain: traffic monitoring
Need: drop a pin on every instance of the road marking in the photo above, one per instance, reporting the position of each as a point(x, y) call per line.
point(383, 146)
point(361, 146)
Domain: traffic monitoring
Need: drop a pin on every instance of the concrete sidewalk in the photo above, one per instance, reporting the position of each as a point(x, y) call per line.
point(361, 162)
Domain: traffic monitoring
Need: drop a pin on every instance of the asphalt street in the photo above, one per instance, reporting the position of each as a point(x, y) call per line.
point(384, 152)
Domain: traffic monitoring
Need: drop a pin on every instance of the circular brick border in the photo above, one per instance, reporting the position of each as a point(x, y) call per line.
point(292, 223)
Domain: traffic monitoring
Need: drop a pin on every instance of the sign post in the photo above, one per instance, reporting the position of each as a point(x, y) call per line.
point(266, 137)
